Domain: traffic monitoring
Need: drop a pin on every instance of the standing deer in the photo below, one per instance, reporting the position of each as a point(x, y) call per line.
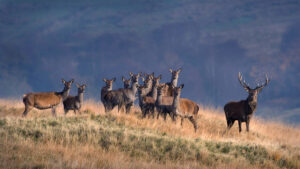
point(122, 97)
point(74, 102)
point(163, 103)
point(243, 110)
point(129, 95)
point(126, 82)
point(176, 106)
point(168, 91)
point(147, 103)
point(106, 89)
point(46, 100)
point(184, 108)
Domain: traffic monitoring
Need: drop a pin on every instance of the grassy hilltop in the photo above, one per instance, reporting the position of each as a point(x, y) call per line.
point(116, 140)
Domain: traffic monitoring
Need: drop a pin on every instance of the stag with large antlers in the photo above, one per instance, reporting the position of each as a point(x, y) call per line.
point(243, 110)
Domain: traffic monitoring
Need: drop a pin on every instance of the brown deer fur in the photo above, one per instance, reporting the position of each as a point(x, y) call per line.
point(46, 100)
point(243, 110)
point(186, 106)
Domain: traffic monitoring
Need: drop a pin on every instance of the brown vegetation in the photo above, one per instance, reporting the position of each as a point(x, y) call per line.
point(119, 140)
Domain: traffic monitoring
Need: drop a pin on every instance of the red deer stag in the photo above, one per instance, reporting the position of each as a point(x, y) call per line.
point(243, 110)
point(46, 100)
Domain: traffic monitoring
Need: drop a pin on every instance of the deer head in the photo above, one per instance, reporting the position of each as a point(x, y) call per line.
point(156, 80)
point(109, 82)
point(134, 77)
point(141, 90)
point(253, 92)
point(177, 90)
point(175, 73)
point(126, 82)
point(160, 89)
point(81, 88)
point(67, 84)
point(149, 76)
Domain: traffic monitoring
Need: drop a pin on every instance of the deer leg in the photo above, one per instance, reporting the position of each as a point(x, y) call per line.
point(128, 106)
point(157, 117)
point(247, 125)
point(153, 112)
point(149, 113)
point(105, 108)
point(54, 111)
point(230, 123)
point(240, 125)
point(173, 115)
point(194, 122)
point(27, 109)
point(181, 123)
point(119, 107)
point(144, 112)
point(165, 116)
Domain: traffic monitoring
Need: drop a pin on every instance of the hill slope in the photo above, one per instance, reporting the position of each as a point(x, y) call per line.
point(117, 140)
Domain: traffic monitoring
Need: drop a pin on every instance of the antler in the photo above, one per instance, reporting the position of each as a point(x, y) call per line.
point(259, 87)
point(243, 83)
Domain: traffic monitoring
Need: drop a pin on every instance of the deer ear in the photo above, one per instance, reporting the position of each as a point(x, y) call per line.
point(131, 74)
point(159, 77)
point(179, 70)
point(181, 86)
point(171, 70)
point(84, 86)
point(63, 81)
point(104, 80)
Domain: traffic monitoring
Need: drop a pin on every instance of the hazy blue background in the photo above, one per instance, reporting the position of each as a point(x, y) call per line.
point(42, 41)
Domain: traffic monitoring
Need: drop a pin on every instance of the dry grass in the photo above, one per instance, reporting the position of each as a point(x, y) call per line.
point(277, 145)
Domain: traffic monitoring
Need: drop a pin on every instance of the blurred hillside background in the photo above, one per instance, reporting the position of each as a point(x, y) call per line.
point(212, 40)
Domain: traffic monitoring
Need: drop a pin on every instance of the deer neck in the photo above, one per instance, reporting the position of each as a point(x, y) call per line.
point(65, 93)
point(140, 98)
point(252, 103)
point(176, 101)
point(159, 99)
point(80, 96)
point(174, 81)
point(134, 88)
point(154, 92)
point(109, 88)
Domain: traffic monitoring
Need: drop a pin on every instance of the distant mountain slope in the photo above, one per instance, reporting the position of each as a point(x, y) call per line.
point(43, 41)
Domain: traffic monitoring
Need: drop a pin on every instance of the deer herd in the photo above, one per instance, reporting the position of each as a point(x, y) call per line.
point(162, 99)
